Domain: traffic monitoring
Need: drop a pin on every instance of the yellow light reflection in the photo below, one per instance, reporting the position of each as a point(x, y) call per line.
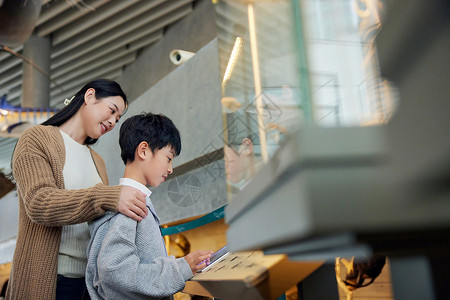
point(235, 52)
point(257, 82)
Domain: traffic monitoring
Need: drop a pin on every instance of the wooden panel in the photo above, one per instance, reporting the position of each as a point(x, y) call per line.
point(282, 273)
point(211, 236)
point(250, 275)
point(4, 273)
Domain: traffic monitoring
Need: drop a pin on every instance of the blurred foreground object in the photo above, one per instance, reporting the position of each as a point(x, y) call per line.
point(351, 274)
point(17, 20)
point(342, 192)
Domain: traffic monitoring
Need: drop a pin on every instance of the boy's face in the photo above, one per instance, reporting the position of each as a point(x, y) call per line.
point(235, 166)
point(158, 166)
point(238, 161)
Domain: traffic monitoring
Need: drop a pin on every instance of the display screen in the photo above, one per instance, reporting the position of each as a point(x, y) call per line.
point(215, 257)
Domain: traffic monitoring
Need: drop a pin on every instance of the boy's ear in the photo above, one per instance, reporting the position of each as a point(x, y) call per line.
point(246, 147)
point(143, 150)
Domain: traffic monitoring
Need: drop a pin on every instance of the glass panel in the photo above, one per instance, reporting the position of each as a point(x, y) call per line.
point(261, 96)
point(347, 89)
point(286, 64)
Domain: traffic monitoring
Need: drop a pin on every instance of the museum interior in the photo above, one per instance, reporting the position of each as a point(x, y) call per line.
point(315, 134)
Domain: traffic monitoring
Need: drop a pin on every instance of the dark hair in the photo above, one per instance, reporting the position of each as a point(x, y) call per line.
point(157, 130)
point(103, 88)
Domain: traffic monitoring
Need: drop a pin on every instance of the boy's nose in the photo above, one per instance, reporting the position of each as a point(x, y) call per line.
point(170, 170)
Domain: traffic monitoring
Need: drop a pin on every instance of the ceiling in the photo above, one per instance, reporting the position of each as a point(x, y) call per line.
point(90, 39)
point(99, 38)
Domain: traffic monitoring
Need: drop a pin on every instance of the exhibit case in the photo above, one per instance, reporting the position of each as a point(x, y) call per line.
point(303, 104)
point(286, 65)
point(335, 119)
point(335, 130)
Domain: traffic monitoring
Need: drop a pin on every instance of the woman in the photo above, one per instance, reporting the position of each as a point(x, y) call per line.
point(61, 184)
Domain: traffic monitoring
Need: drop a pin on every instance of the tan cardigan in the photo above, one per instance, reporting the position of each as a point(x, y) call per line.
point(45, 206)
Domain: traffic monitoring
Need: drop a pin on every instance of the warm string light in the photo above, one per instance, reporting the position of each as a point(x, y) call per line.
point(12, 116)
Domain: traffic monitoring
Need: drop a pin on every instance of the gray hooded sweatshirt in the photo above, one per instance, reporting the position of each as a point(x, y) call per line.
point(128, 259)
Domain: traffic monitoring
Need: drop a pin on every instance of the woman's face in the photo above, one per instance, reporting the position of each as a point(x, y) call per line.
point(101, 115)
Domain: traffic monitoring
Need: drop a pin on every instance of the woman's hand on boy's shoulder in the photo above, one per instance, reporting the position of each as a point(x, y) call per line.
point(197, 260)
point(132, 203)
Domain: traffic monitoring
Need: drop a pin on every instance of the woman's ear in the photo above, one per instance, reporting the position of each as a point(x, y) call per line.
point(246, 147)
point(89, 96)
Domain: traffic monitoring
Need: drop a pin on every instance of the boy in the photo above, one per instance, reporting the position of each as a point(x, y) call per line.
point(128, 259)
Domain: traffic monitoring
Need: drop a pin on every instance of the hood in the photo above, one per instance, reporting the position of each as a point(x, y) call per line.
point(95, 224)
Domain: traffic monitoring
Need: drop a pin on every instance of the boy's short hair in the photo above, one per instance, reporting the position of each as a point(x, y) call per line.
point(155, 129)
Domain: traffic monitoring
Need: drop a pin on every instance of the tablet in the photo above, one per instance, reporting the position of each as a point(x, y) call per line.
point(215, 257)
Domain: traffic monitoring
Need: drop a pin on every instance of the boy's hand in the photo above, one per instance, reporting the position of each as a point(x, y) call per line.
point(197, 260)
point(132, 203)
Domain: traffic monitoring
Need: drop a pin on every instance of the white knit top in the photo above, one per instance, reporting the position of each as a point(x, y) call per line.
point(79, 173)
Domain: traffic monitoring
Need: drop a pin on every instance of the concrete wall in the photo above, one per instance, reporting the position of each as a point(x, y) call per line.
point(190, 96)
point(191, 34)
